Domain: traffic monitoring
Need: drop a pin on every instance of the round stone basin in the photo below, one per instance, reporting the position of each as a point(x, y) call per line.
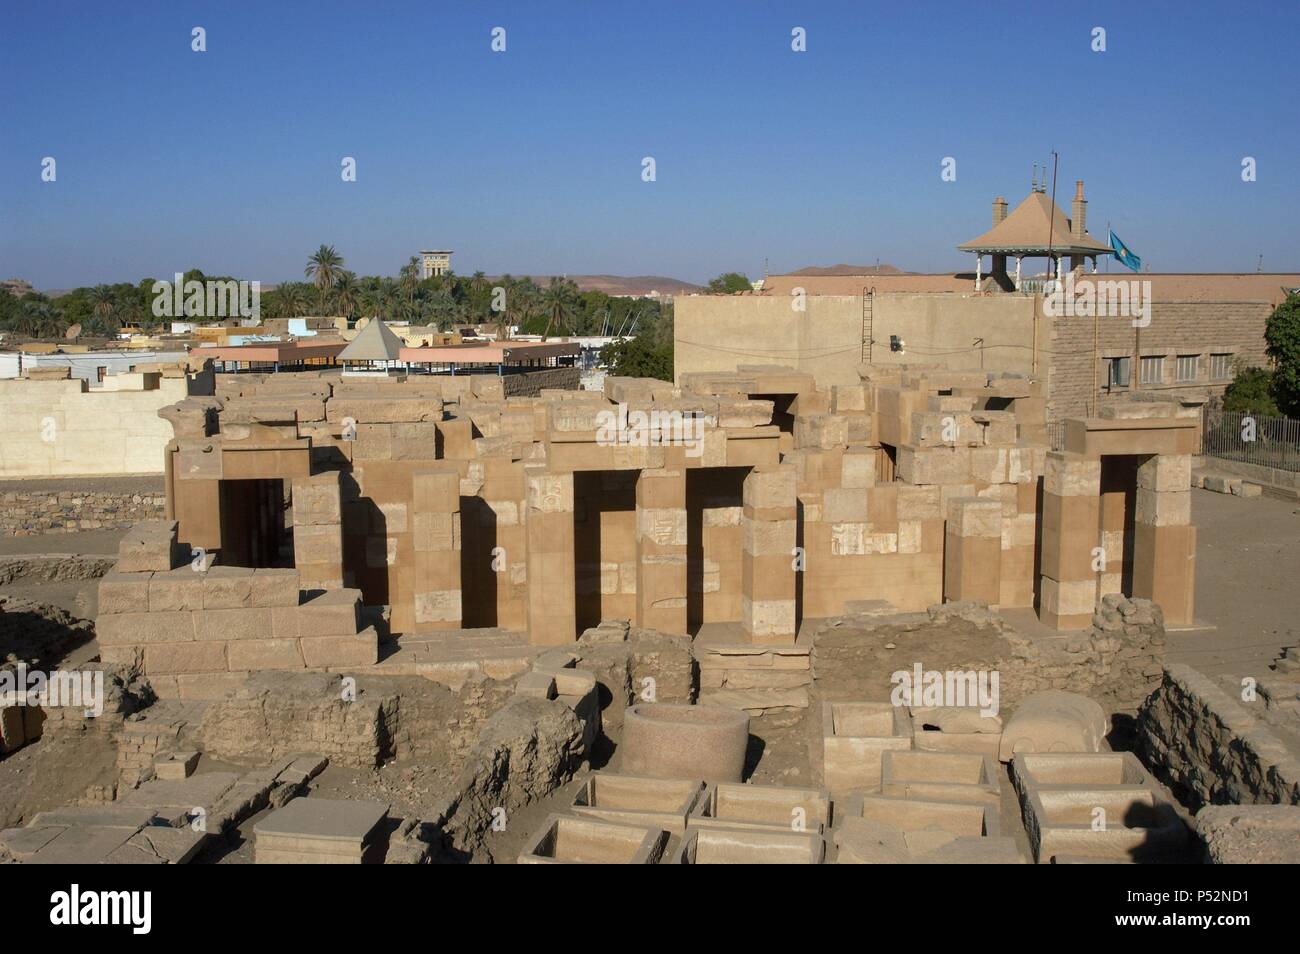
point(667, 740)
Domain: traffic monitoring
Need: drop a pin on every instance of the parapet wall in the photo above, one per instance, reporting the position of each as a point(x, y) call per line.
point(532, 383)
point(1210, 748)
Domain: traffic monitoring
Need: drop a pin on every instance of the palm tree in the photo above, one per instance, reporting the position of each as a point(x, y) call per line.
point(41, 321)
point(292, 301)
point(324, 268)
point(346, 293)
point(408, 276)
point(103, 304)
point(559, 301)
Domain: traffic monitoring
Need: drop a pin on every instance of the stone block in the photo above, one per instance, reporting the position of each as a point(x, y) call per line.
point(335, 652)
point(275, 587)
point(176, 590)
point(570, 840)
point(245, 622)
point(1166, 473)
point(766, 807)
point(332, 613)
point(637, 800)
point(717, 846)
point(252, 655)
point(227, 587)
point(164, 658)
point(124, 592)
point(1070, 475)
point(1164, 508)
point(854, 734)
point(131, 629)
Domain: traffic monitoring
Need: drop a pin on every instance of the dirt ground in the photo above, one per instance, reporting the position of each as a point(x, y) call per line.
point(1247, 583)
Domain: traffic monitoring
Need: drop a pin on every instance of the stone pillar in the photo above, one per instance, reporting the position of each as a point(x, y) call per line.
point(1071, 532)
point(979, 267)
point(661, 550)
point(1019, 258)
point(552, 614)
point(1164, 545)
point(769, 519)
point(318, 531)
point(972, 555)
point(435, 525)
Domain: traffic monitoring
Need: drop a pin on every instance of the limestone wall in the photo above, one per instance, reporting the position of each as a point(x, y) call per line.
point(1209, 748)
point(29, 508)
point(63, 428)
point(720, 333)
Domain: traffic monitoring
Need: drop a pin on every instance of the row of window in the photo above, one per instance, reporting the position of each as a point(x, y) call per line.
point(1151, 369)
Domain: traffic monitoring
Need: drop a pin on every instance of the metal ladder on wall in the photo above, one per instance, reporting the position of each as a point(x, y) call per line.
point(868, 307)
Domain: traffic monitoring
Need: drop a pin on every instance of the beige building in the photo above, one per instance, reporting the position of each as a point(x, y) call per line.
point(57, 426)
point(435, 262)
point(1181, 335)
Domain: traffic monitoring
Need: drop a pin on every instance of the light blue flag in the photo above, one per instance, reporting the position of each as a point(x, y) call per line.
point(1123, 255)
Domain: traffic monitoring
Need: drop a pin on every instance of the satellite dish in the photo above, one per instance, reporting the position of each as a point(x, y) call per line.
point(73, 331)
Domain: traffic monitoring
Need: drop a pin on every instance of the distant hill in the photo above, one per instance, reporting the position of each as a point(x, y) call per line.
point(851, 270)
point(623, 285)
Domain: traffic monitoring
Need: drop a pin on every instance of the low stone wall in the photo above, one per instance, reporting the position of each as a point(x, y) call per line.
point(1210, 749)
point(274, 714)
point(1118, 662)
point(53, 568)
point(32, 507)
point(1286, 482)
point(531, 383)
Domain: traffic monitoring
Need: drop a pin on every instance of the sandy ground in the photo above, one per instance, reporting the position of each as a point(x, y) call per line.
point(96, 542)
point(1247, 583)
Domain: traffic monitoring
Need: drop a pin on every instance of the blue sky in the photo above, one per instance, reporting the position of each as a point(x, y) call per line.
point(529, 161)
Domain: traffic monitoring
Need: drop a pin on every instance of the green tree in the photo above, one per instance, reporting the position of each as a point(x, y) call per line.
point(1251, 393)
point(638, 358)
point(324, 268)
point(347, 293)
point(559, 302)
point(1282, 332)
point(103, 306)
point(728, 283)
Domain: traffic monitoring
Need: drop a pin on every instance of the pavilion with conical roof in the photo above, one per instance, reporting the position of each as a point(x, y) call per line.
point(1035, 228)
point(375, 343)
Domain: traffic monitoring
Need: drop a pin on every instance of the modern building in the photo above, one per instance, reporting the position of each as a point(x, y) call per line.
point(1094, 338)
point(435, 262)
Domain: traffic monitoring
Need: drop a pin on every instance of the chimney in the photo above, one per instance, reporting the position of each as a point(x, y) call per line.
point(999, 209)
point(1078, 212)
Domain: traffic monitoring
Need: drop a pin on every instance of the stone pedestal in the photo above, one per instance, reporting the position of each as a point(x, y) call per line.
point(1071, 532)
point(435, 526)
point(973, 550)
point(552, 616)
point(661, 551)
point(769, 519)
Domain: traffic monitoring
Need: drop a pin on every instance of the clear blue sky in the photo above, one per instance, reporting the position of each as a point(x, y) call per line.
point(529, 161)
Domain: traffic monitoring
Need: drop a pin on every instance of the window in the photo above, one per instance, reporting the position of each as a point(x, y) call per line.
point(1220, 367)
point(1186, 368)
point(1152, 370)
point(1117, 372)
